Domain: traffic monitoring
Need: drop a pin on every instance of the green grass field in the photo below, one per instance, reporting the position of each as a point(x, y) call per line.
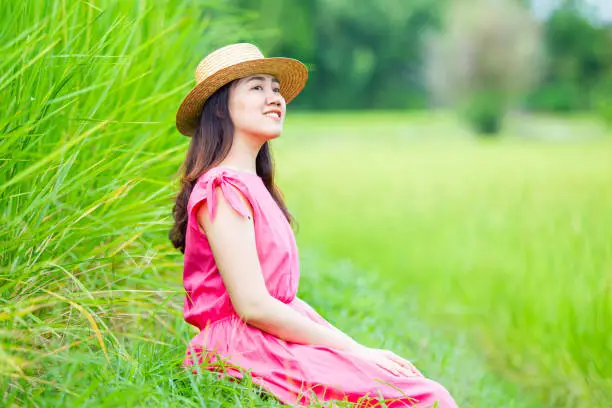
point(487, 262)
point(507, 240)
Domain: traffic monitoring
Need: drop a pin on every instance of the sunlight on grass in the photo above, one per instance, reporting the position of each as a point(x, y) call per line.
point(507, 239)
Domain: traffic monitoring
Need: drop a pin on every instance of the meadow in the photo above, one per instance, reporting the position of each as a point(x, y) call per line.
point(487, 262)
point(506, 239)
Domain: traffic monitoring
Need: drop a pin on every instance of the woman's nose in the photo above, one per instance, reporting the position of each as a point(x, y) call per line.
point(273, 97)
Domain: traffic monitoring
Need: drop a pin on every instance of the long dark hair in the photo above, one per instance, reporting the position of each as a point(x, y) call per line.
point(209, 145)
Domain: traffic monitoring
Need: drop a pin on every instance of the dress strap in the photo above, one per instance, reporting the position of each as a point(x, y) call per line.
point(229, 184)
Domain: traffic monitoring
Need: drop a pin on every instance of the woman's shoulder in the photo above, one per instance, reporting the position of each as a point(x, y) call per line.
point(229, 180)
point(218, 174)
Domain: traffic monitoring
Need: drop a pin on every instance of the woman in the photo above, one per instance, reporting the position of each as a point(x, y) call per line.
point(241, 267)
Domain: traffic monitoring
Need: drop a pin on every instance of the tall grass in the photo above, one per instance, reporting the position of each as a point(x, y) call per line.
point(507, 240)
point(89, 149)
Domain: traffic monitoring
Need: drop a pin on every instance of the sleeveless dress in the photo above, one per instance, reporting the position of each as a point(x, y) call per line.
point(296, 374)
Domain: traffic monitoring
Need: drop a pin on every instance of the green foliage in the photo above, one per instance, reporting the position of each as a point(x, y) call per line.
point(604, 107)
point(579, 59)
point(603, 99)
point(362, 54)
point(484, 112)
point(562, 97)
point(372, 54)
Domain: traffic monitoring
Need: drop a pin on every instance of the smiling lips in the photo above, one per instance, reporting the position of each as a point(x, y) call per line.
point(273, 114)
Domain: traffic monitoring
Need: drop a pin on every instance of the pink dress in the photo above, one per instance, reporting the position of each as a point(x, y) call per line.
point(297, 374)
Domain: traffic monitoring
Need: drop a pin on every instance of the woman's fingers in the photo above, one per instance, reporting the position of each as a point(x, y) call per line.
point(400, 360)
point(389, 361)
point(403, 362)
point(395, 368)
point(390, 366)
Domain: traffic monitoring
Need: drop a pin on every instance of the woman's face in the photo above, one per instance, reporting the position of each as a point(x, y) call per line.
point(256, 106)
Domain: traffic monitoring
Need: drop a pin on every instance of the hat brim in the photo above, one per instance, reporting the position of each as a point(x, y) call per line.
point(291, 73)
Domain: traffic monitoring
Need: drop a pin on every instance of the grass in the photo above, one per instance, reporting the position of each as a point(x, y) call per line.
point(145, 370)
point(492, 255)
point(506, 239)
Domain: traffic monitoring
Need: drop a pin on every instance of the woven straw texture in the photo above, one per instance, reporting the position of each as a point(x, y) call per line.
point(233, 62)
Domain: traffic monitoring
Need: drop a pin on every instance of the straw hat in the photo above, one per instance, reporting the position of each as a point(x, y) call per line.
point(232, 62)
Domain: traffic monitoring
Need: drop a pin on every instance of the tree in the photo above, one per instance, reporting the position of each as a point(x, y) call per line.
point(484, 60)
point(362, 55)
point(579, 58)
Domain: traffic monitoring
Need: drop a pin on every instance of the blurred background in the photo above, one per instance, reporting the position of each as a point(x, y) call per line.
point(449, 164)
point(483, 57)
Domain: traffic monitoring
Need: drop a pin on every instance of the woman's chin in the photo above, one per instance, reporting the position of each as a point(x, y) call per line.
point(269, 134)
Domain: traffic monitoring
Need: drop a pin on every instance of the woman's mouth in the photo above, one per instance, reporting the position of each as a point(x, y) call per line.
point(275, 115)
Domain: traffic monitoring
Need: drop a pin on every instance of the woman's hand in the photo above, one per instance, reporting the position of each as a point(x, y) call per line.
point(388, 360)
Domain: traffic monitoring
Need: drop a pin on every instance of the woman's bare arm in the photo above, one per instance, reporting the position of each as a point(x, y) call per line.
point(232, 240)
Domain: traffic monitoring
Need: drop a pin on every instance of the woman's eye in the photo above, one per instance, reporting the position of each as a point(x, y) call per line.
point(259, 87)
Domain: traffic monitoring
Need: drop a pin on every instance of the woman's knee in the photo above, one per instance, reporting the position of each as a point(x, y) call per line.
point(440, 395)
